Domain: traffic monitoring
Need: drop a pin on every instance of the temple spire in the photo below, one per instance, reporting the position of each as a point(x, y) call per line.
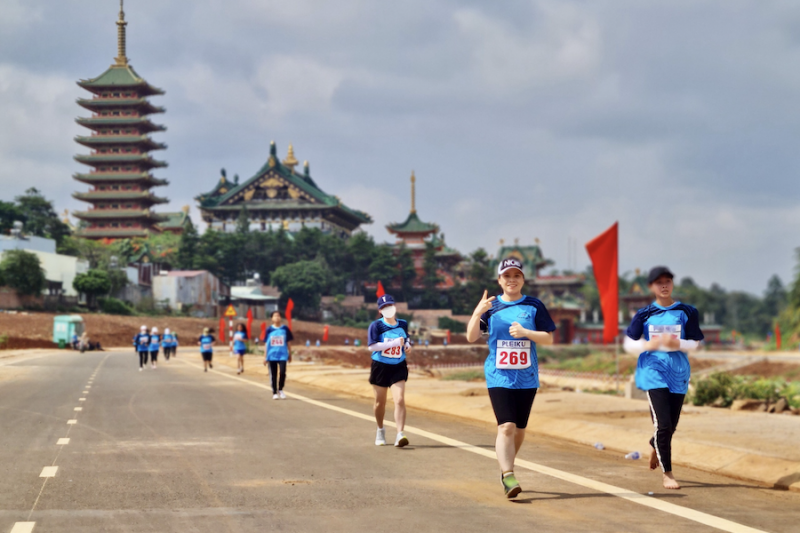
point(413, 192)
point(290, 160)
point(121, 59)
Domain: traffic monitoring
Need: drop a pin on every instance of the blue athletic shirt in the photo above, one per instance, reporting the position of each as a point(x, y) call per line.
point(239, 345)
point(154, 344)
point(142, 342)
point(276, 340)
point(531, 314)
point(207, 343)
point(659, 370)
point(381, 331)
point(168, 341)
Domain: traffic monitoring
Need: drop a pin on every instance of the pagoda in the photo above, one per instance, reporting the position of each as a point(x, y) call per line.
point(121, 176)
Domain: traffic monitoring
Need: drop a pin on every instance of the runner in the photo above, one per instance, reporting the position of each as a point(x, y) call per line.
point(168, 343)
point(278, 352)
point(388, 342)
point(661, 334)
point(515, 325)
point(206, 342)
point(154, 346)
point(240, 346)
point(142, 343)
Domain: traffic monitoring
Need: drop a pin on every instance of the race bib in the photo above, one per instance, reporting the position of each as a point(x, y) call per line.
point(276, 340)
point(672, 331)
point(513, 355)
point(393, 353)
point(206, 347)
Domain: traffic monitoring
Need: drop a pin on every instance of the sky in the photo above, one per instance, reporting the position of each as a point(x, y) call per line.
point(536, 119)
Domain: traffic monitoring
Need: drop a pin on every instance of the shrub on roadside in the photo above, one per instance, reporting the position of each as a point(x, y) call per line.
point(113, 306)
point(728, 388)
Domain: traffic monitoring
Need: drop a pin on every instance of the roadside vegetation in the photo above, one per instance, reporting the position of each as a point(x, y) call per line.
point(721, 389)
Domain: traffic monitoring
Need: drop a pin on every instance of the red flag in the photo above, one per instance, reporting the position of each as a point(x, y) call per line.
point(380, 292)
point(222, 329)
point(448, 336)
point(777, 336)
point(325, 333)
point(603, 251)
point(249, 323)
point(289, 307)
point(263, 330)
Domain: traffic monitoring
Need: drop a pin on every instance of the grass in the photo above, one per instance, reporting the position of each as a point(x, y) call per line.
point(595, 362)
point(475, 374)
point(728, 388)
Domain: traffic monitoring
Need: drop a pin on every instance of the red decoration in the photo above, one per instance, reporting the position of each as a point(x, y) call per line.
point(777, 336)
point(263, 330)
point(222, 329)
point(380, 292)
point(289, 307)
point(249, 323)
point(325, 333)
point(604, 253)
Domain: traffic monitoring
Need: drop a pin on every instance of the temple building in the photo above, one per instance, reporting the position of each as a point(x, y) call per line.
point(120, 178)
point(416, 234)
point(278, 196)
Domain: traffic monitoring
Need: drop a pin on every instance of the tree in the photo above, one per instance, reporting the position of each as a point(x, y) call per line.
point(408, 272)
point(775, 297)
point(431, 297)
point(9, 213)
point(383, 266)
point(361, 248)
point(303, 282)
point(93, 283)
point(187, 248)
point(480, 277)
point(243, 222)
point(39, 217)
point(23, 272)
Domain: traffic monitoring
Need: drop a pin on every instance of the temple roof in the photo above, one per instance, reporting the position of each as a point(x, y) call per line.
point(141, 159)
point(143, 104)
point(175, 220)
point(119, 77)
point(531, 256)
point(92, 196)
point(141, 140)
point(412, 224)
point(113, 233)
point(130, 214)
point(143, 123)
point(99, 177)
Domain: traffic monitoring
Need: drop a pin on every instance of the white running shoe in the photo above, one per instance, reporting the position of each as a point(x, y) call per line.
point(276, 397)
point(380, 437)
point(140, 369)
point(401, 440)
point(282, 395)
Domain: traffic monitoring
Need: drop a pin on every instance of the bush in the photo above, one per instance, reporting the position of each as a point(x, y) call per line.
point(112, 306)
point(708, 389)
point(455, 326)
point(729, 388)
point(22, 271)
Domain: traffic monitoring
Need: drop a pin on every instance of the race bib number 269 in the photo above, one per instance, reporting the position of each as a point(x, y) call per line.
point(513, 355)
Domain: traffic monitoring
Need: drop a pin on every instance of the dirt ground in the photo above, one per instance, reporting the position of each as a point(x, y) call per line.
point(770, 369)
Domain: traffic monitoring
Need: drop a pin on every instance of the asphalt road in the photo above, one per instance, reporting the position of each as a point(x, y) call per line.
point(177, 449)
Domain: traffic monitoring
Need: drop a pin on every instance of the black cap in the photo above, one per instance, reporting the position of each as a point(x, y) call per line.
point(657, 272)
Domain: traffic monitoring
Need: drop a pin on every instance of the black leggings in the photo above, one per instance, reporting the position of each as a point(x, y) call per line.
point(665, 410)
point(273, 374)
point(142, 359)
point(167, 352)
point(154, 356)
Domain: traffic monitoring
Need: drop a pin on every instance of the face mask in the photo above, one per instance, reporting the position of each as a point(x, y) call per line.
point(389, 311)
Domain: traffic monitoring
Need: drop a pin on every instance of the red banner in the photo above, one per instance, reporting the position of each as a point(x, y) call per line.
point(604, 253)
point(222, 329)
point(263, 330)
point(777, 336)
point(249, 323)
point(380, 292)
point(289, 307)
point(325, 333)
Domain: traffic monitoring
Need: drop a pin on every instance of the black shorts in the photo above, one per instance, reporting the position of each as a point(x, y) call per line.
point(207, 356)
point(385, 375)
point(512, 405)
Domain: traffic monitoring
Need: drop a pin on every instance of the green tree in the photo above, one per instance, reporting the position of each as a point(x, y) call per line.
point(23, 272)
point(361, 248)
point(303, 282)
point(39, 217)
point(383, 266)
point(186, 257)
point(243, 222)
point(407, 270)
point(93, 283)
point(480, 277)
point(9, 213)
point(431, 297)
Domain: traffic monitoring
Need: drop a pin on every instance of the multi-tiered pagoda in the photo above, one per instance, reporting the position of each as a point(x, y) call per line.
point(120, 143)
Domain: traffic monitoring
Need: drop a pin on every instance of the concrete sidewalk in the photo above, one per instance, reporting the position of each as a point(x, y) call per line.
point(757, 447)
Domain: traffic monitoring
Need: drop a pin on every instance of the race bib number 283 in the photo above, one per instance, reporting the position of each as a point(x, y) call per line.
point(513, 355)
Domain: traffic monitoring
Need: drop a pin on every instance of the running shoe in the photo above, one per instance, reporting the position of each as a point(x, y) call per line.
point(205, 370)
point(510, 485)
point(276, 397)
point(282, 395)
point(140, 369)
point(380, 437)
point(210, 365)
point(401, 441)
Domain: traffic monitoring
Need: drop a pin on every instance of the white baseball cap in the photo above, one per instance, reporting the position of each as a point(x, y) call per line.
point(507, 264)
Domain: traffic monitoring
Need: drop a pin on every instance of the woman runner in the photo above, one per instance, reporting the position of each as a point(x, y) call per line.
point(240, 346)
point(661, 334)
point(154, 346)
point(388, 342)
point(142, 342)
point(168, 343)
point(277, 353)
point(515, 324)
point(206, 342)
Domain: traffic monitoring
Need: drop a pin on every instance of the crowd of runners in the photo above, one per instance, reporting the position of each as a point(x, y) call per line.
point(513, 325)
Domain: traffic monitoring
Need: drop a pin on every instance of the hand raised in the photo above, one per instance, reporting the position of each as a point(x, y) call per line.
point(517, 331)
point(485, 304)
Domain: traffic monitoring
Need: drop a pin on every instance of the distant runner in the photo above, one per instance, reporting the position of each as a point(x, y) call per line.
point(515, 324)
point(661, 334)
point(278, 352)
point(142, 343)
point(388, 342)
point(240, 346)
point(154, 347)
point(206, 342)
point(168, 343)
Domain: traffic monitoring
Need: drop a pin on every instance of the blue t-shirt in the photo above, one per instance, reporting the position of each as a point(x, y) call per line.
point(154, 345)
point(381, 331)
point(142, 342)
point(659, 370)
point(207, 343)
point(277, 342)
point(505, 350)
point(239, 345)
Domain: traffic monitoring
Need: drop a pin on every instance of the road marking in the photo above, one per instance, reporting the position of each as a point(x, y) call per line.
point(81, 399)
point(79, 408)
point(49, 471)
point(73, 421)
point(23, 527)
point(629, 495)
point(88, 386)
point(63, 441)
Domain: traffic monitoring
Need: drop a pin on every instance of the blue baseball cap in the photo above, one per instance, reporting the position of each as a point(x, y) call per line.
point(385, 300)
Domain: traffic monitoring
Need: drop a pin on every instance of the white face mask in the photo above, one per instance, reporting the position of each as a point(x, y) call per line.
point(389, 311)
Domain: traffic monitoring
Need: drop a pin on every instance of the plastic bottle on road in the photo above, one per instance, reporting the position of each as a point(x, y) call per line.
point(632, 455)
point(599, 446)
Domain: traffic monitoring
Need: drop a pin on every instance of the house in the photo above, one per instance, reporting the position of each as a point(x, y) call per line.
point(196, 292)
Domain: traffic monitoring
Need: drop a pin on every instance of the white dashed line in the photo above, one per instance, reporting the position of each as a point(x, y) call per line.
point(81, 399)
point(88, 386)
point(62, 442)
point(73, 421)
point(79, 408)
point(49, 471)
point(23, 527)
